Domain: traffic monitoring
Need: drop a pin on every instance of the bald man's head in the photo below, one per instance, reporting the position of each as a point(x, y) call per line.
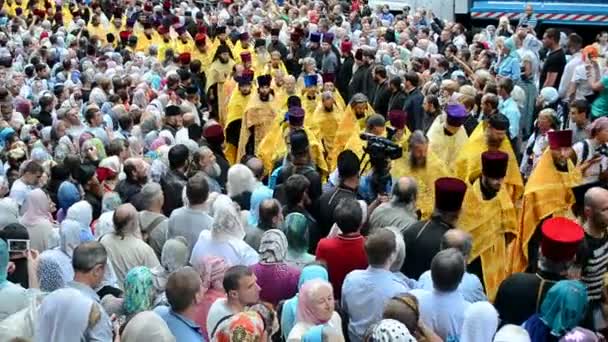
point(188, 119)
point(125, 220)
point(405, 191)
point(596, 208)
point(256, 166)
point(458, 239)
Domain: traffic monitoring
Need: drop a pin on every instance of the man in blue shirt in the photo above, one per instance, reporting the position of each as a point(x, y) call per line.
point(364, 292)
point(509, 108)
point(183, 293)
point(470, 286)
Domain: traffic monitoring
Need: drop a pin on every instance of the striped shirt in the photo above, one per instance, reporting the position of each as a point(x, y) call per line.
point(594, 253)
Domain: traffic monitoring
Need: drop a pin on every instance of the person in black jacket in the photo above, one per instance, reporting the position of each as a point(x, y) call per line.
point(413, 102)
point(346, 71)
point(175, 179)
point(383, 93)
point(360, 82)
point(398, 96)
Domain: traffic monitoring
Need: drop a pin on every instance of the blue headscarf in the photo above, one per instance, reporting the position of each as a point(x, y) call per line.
point(3, 263)
point(5, 134)
point(67, 195)
point(561, 311)
point(258, 195)
point(288, 315)
point(314, 334)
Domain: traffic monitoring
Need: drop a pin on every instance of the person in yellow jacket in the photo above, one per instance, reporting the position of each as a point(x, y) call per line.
point(166, 43)
point(489, 216)
point(235, 109)
point(261, 58)
point(329, 80)
point(548, 193)
point(258, 117)
point(324, 121)
point(310, 94)
point(275, 146)
point(96, 29)
point(221, 39)
point(352, 123)
point(241, 45)
point(184, 42)
point(490, 135)
point(201, 52)
point(217, 74)
point(149, 38)
point(276, 66)
point(446, 134)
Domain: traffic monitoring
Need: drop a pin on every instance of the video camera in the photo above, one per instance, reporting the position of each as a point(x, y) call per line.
point(380, 148)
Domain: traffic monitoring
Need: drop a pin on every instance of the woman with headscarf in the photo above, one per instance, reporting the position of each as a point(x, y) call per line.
point(289, 312)
point(105, 222)
point(9, 212)
point(174, 255)
point(211, 270)
point(70, 237)
point(66, 315)
point(244, 326)
point(67, 195)
point(81, 212)
point(277, 279)
point(296, 231)
point(480, 323)
point(389, 330)
point(38, 220)
point(315, 306)
point(563, 308)
point(139, 295)
point(537, 143)
point(12, 296)
point(147, 326)
point(322, 333)
point(509, 66)
point(511, 333)
point(226, 236)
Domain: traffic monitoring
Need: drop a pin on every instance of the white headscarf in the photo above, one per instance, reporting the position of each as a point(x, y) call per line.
point(63, 316)
point(81, 212)
point(227, 223)
point(480, 323)
point(512, 333)
point(147, 326)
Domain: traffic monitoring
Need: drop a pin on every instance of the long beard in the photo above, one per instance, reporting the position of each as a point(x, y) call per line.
point(264, 97)
point(417, 163)
point(213, 171)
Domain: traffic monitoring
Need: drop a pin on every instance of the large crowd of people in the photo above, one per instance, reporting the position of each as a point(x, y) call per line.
point(298, 171)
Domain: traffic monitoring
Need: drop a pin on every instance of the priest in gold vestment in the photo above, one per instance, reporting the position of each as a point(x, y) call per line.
point(446, 134)
point(490, 136)
point(423, 165)
point(548, 193)
point(489, 215)
point(235, 109)
point(258, 117)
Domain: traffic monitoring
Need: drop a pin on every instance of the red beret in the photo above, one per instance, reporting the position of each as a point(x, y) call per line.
point(104, 173)
point(559, 139)
point(148, 7)
point(346, 46)
point(124, 35)
point(200, 38)
point(397, 117)
point(494, 164)
point(44, 35)
point(163, 30)
point(561, 238)
point(449, 193)
point(246, 56)
point(328, 77)
point(214, 133)
point(167, 4)
point(185, 57)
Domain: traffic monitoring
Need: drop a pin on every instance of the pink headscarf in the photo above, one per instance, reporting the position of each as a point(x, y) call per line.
point(36, 207)
point(212, 270)
point(306, 301)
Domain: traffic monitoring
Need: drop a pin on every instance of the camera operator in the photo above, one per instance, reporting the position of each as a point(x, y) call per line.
point(592, 153)
point(377, 183)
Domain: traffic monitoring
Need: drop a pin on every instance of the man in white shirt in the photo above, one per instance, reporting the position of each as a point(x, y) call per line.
point(575, 43)
point(241, 289)
point(27, 182)
point(443, 308)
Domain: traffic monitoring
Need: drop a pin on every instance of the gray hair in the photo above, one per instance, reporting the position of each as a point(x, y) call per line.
point(417, 138)
point(405, 196)
point(150, 193)
point(240, 179)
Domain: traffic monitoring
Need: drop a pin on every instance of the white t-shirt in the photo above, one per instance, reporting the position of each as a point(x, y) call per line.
point(19, 191)
point(218, 310)
point(593, 172)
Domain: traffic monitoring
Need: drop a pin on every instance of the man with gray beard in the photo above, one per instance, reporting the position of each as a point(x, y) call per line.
point(204, 161)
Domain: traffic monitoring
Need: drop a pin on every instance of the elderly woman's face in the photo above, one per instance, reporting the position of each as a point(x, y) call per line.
point(323, 303)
